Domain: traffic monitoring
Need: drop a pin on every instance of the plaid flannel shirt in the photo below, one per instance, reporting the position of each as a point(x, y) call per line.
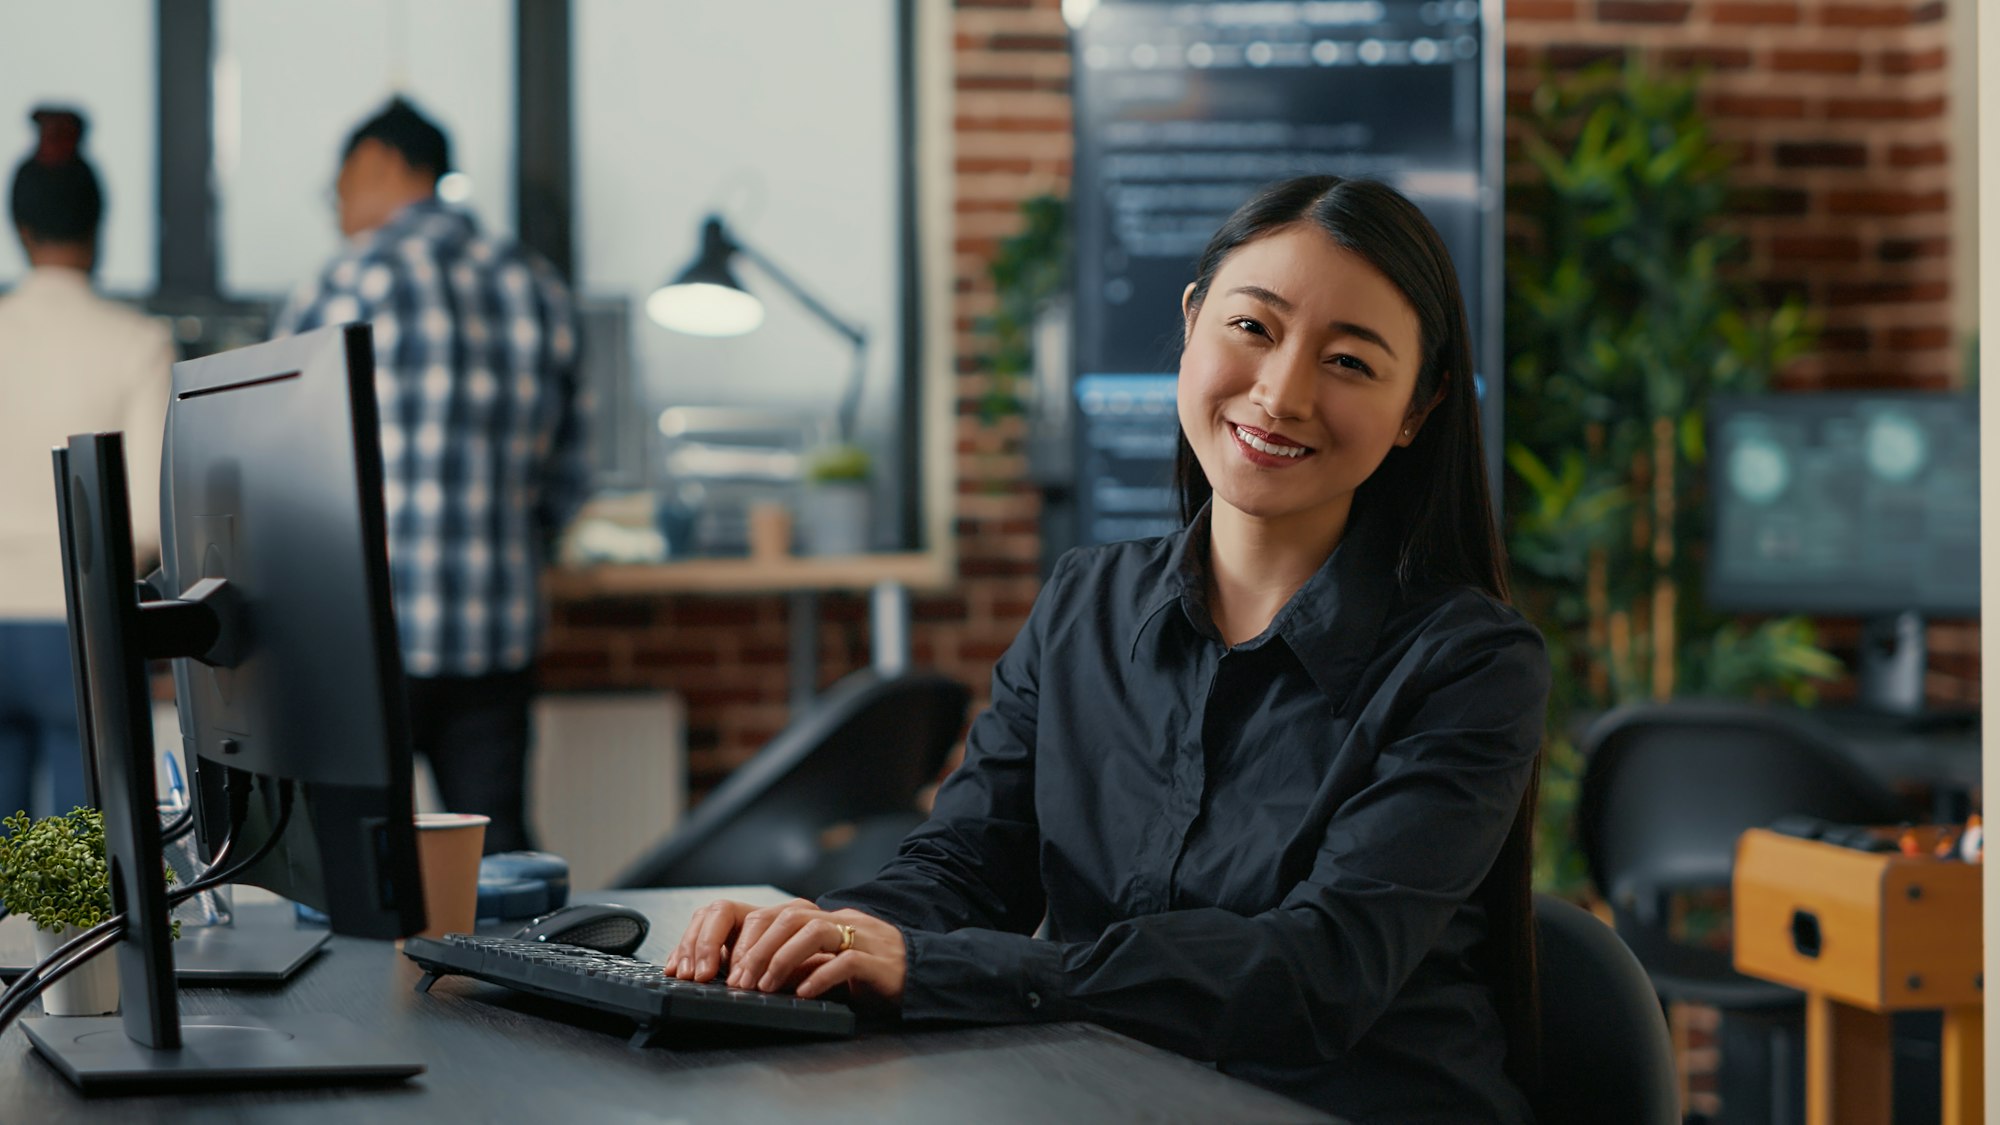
point(483, 447)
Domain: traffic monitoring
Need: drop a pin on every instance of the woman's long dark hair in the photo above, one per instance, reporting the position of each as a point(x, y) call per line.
point(1434, 492)
point(56, 197)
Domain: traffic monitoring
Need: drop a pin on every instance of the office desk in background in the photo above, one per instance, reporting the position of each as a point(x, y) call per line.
point(1939, 756)
point(500, 1056)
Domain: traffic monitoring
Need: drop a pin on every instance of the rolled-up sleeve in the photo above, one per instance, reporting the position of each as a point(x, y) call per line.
point(1301, 981)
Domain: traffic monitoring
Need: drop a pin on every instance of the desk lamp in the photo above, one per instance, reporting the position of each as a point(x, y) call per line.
point(705, 299)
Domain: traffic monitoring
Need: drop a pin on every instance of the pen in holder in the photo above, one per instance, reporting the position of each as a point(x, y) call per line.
point(210, 907)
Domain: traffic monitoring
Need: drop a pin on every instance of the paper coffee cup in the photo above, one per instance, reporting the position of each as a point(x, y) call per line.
point(448, 850)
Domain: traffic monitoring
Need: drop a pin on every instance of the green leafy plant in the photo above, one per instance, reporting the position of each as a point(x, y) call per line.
point(1625, 314)
point(831, 463)
point(54, 870)
point(1028, 269)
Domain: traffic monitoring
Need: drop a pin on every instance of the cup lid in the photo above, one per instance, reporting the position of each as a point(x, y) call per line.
point(451, 819)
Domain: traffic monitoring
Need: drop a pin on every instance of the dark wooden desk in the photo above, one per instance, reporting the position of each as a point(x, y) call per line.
point(498, 1056)
point(1939, 756)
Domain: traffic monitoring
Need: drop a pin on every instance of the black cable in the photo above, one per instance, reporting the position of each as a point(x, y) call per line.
point(178, 827)
point(108, 932)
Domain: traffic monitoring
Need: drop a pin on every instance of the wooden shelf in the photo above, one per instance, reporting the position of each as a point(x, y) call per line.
point(920, 571)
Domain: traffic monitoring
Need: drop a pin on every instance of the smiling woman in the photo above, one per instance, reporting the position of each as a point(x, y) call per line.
point(1265, 781)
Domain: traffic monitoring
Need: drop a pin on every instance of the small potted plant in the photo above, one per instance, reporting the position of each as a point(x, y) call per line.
point(836, 512)
point(54, 872)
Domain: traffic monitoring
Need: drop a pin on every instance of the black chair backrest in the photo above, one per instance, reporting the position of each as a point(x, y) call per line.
point(1667, 789)
point(1606, 1052)
point(863, 749)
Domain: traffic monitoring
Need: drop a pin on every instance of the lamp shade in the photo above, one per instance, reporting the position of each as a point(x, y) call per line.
point(705, 299)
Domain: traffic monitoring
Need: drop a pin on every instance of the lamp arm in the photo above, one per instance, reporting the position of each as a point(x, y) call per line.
point(853, 332)
point(850, 399)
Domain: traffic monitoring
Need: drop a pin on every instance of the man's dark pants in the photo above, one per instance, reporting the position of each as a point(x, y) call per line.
point(474, 731)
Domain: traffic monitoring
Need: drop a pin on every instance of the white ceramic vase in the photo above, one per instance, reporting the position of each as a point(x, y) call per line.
point(835, 518)
point(90, 989)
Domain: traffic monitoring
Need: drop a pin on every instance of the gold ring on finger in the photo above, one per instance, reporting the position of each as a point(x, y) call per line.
point(846, 937)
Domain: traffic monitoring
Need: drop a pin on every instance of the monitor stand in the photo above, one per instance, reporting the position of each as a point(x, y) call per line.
point(1890, 671)
point(150, 1044)
point(1895, 655)
point(211, 955)
point(207, 956)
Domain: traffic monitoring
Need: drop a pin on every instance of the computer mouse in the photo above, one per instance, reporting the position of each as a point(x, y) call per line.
point(604, 926)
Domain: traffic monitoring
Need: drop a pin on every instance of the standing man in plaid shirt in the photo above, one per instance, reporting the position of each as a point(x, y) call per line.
point(482, 447)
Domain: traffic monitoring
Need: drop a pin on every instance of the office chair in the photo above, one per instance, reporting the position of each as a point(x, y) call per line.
point(1606, 1054)
point(825, 802)
point(1667, 789)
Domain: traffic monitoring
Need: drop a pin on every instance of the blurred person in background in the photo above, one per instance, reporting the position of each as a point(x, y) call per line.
point(482, 447)
point(70, 362)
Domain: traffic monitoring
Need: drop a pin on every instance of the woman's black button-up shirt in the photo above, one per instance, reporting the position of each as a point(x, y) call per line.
point(1262, 856)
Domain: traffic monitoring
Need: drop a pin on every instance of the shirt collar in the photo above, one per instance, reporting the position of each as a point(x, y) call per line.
point(1330, 624)
point(430, 215)
point(54, 278)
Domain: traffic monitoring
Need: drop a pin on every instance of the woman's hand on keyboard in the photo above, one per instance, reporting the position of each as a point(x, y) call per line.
point(794, 946)
point(711, 934)
point(810, 951)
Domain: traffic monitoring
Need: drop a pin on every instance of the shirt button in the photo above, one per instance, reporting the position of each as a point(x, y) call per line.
point(1034, 999)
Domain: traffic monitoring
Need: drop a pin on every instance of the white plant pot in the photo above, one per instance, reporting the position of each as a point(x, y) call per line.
point(90, 989)
point(836, 519)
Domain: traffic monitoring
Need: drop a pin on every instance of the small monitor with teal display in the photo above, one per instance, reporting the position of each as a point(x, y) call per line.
point(1858, 504)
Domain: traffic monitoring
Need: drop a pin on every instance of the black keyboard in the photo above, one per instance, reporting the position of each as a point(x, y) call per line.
point(622, 986)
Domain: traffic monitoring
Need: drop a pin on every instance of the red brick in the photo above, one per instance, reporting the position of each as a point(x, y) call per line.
point(559, 660)
point(1886, 292)
point(1576, 56)
point(671, 655)
point(1912, 249)
point(1714, 58)
point(979, 164)
point(613, 613)
point(1864, 15)
point(996, 82)
point(690, 612)
point(1912, 62)
point(1914, 339)
point(1563, 11)
point(1932, 12)
point(1886, 202)
point(1816, 62)
point(1820, 154)
point(1845, 338)
point(1012, 124)
point(1827, 248)
point(1884, 109)
point(1917, 156)
point(1768, 199)
point(1643, 11)
point(1757, 106)
point(1041, 43)
point(1754, 12)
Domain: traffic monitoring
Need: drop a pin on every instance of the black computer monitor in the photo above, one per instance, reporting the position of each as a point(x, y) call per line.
point(281, 622)
point(1849, 503)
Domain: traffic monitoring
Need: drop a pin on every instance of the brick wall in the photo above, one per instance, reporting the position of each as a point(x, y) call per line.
point(728, 656)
